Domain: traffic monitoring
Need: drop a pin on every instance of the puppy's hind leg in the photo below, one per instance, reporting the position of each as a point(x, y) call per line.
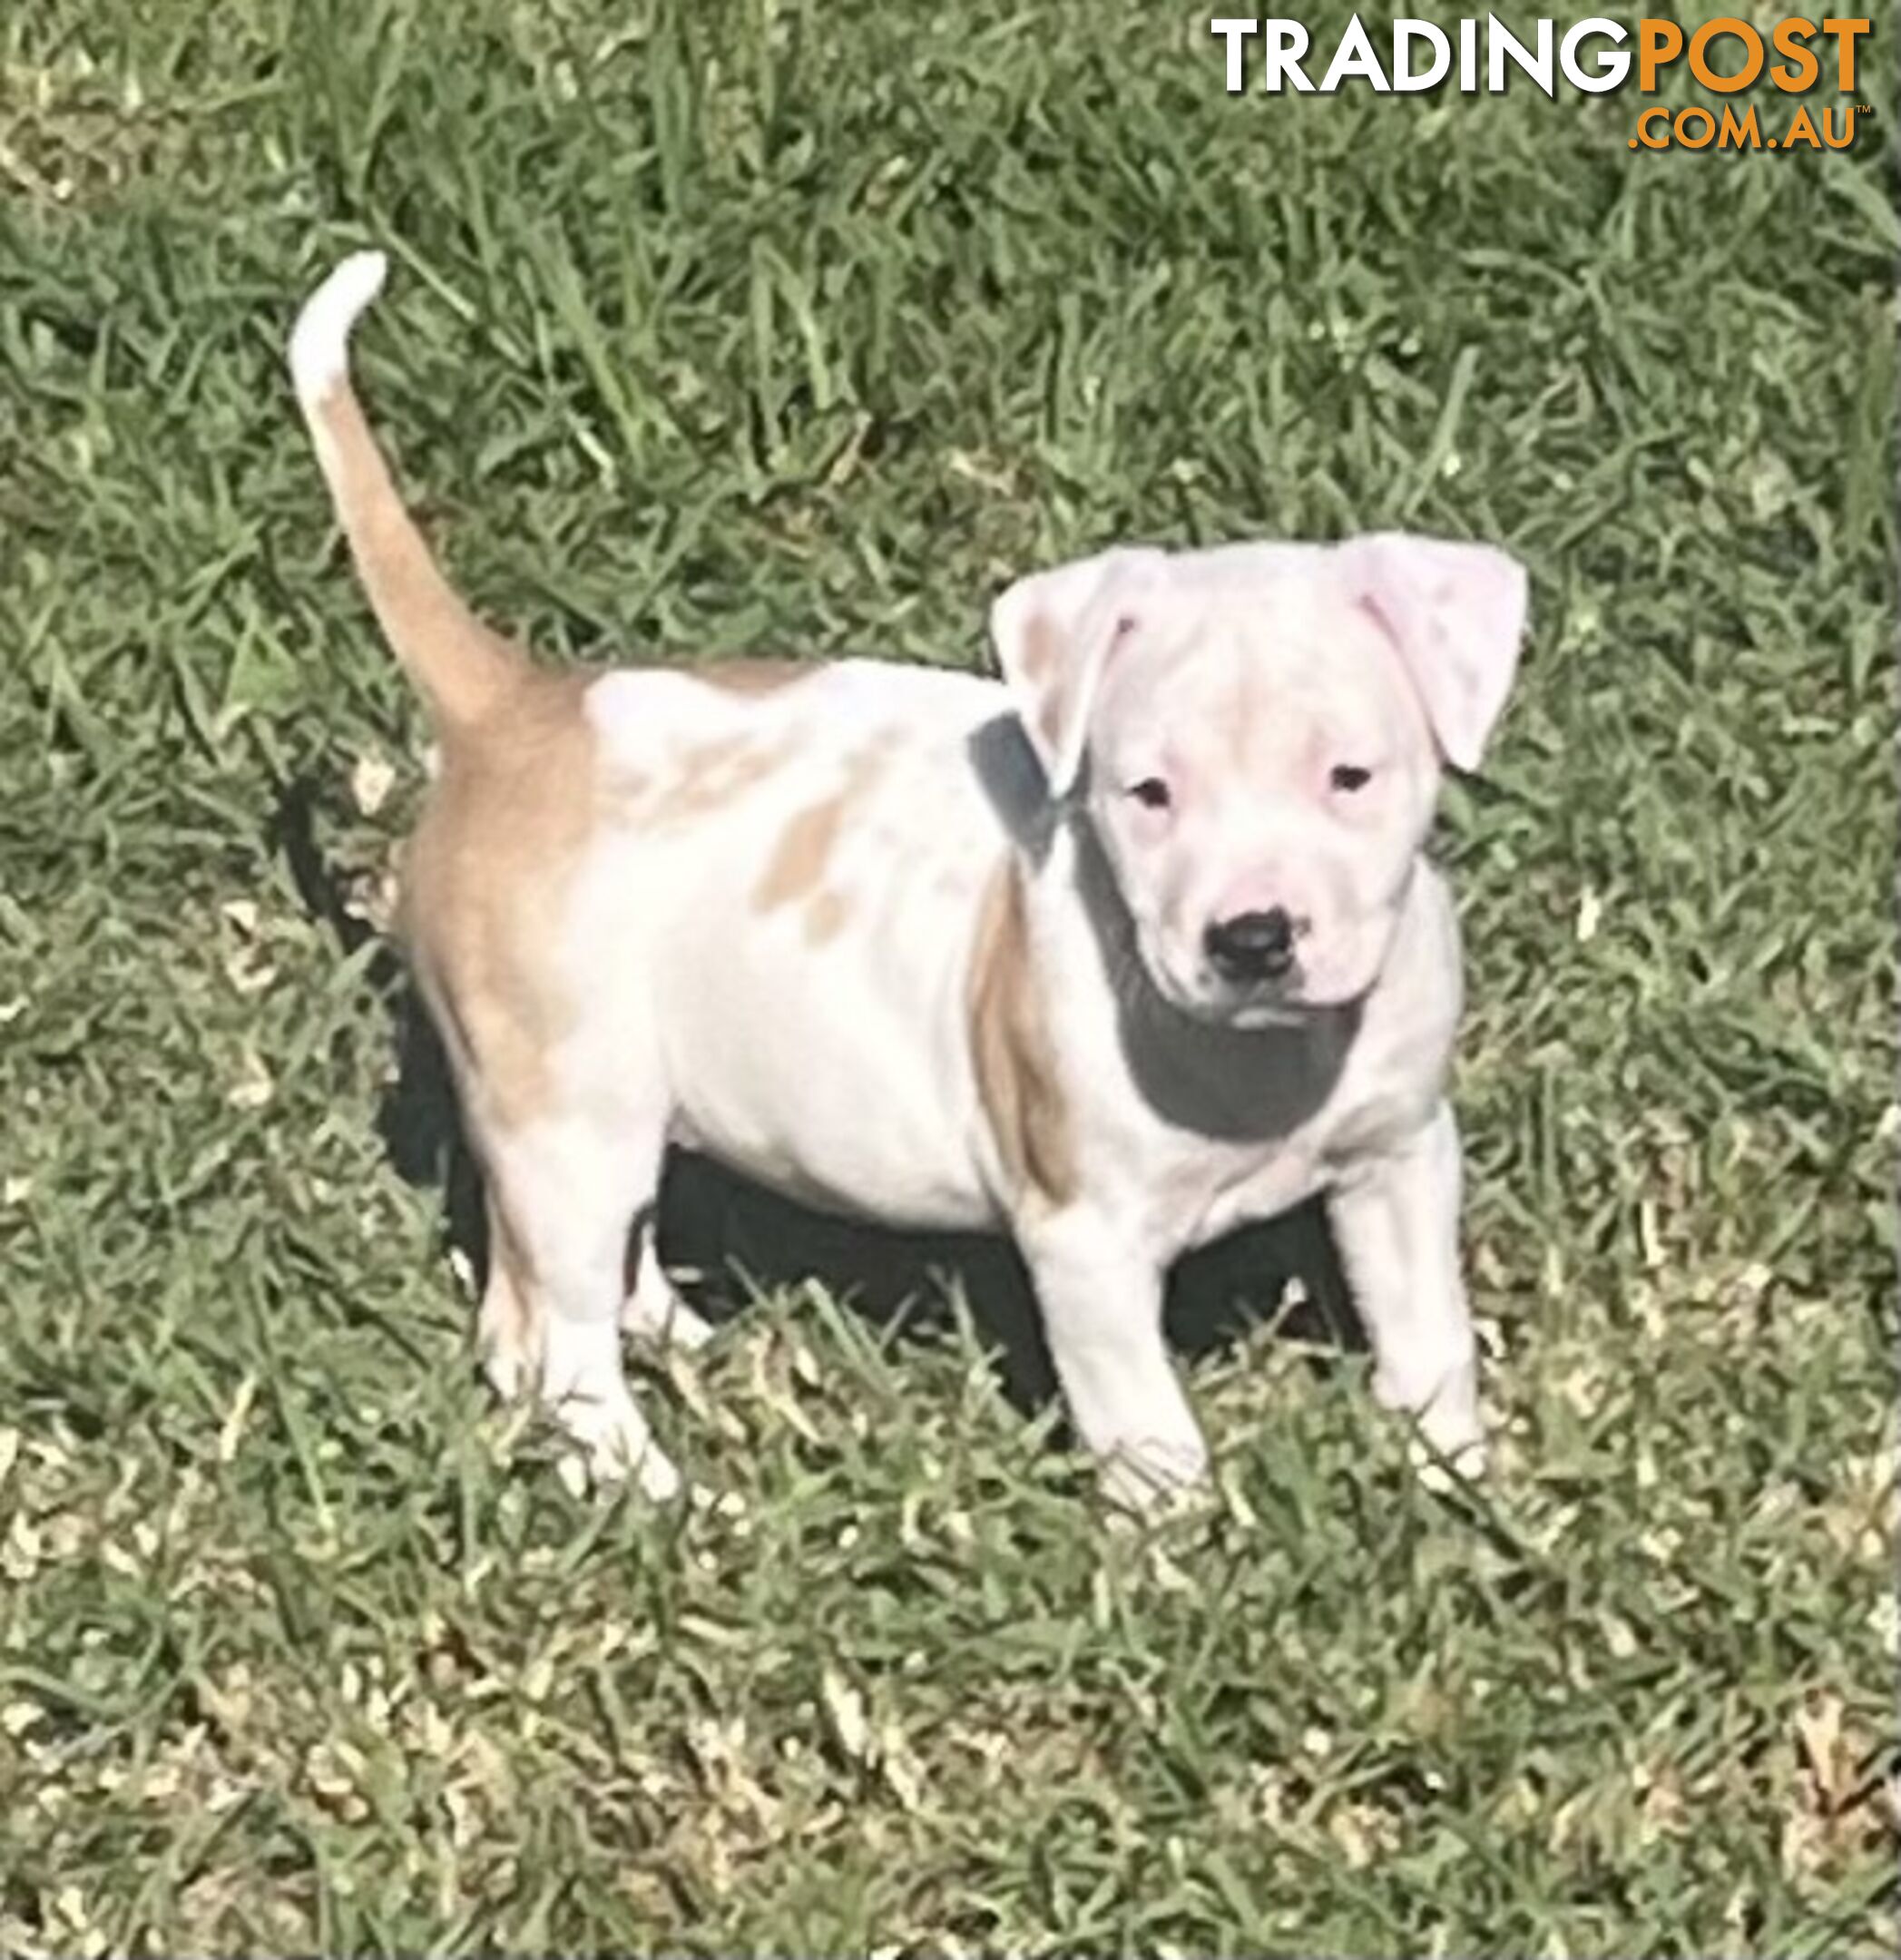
point(507, 1327)
point(653, 1310)
point(567, 1187)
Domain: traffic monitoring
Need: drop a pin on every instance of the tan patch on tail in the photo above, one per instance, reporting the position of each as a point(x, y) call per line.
point(464, 670)
point(1010, 1050)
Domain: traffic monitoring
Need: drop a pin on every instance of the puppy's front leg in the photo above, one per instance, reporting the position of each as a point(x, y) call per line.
point(1395, 1219)
point(1101, 1311)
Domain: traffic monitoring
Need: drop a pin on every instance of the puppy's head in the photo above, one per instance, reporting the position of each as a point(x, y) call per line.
point(1258, 732)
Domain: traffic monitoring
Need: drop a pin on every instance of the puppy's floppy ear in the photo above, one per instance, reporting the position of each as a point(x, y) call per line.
point(1456, 613)
point(1055, 632)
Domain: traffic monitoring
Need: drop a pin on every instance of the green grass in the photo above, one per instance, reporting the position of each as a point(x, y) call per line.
point(801, 327)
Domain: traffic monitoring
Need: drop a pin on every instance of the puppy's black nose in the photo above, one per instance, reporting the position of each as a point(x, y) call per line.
point(1251, 945)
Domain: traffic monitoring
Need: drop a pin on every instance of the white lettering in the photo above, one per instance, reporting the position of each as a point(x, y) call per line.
point(1285, 50)
point(1237, 34)
point(1354, 59)
point(1404, 34)
point(1501, 42)
point(1612, 63)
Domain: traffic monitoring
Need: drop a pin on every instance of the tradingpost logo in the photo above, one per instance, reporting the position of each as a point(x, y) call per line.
point(1788, 87)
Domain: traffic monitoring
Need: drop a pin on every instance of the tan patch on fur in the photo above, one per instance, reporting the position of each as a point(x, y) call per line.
point(1043, 648)
point(805, 846)
point(824, 916)
point(718, 786)
point(1049, 718)
point(749, 675)
point(1010, 1050)
point(1253, 712)
point(1040, 670)
point(704, 779)
point(508, 1326)
point(485, 876)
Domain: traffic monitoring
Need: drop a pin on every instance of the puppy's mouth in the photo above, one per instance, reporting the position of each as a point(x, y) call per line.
point(1279, 1009)
point(1272, 1004)
point(1222, 1003)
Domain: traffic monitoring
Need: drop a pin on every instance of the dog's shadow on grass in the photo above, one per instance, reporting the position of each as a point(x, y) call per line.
point(416, 1118)
point(906, 1282)
point(740, 1238)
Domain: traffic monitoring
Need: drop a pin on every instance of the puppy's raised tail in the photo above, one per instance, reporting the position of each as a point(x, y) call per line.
point(463, 670)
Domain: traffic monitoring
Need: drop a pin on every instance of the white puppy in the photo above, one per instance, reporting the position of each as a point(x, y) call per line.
point(1122, 951)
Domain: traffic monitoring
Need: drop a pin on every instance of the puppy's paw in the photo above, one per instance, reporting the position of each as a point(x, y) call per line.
point(1448, 1442)
point(1446, 1470)
point(506, 1341)
point(654, 1311)
point(583, 1389)
point(507, 1367)
point(1152, 1475)
point(1441, 1395)
point(617, 1446)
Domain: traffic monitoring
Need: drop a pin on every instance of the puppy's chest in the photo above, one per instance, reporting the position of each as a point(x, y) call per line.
point(1196, 1187)
point(1192, 1182)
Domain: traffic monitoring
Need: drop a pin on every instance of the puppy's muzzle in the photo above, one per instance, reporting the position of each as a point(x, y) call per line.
point(1252, 947)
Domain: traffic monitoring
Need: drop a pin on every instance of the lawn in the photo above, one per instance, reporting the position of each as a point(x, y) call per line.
point(802, 327)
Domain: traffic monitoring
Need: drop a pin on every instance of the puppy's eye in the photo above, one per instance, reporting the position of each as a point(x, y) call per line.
point(1347, 777)
point(1151, 793)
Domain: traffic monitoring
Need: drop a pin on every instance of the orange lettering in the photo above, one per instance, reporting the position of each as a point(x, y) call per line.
point(1726, 24)
point(1739, 133)
point(1659, 43)
point(1802, 130)
point(1792, 37)
point(1844, 34)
